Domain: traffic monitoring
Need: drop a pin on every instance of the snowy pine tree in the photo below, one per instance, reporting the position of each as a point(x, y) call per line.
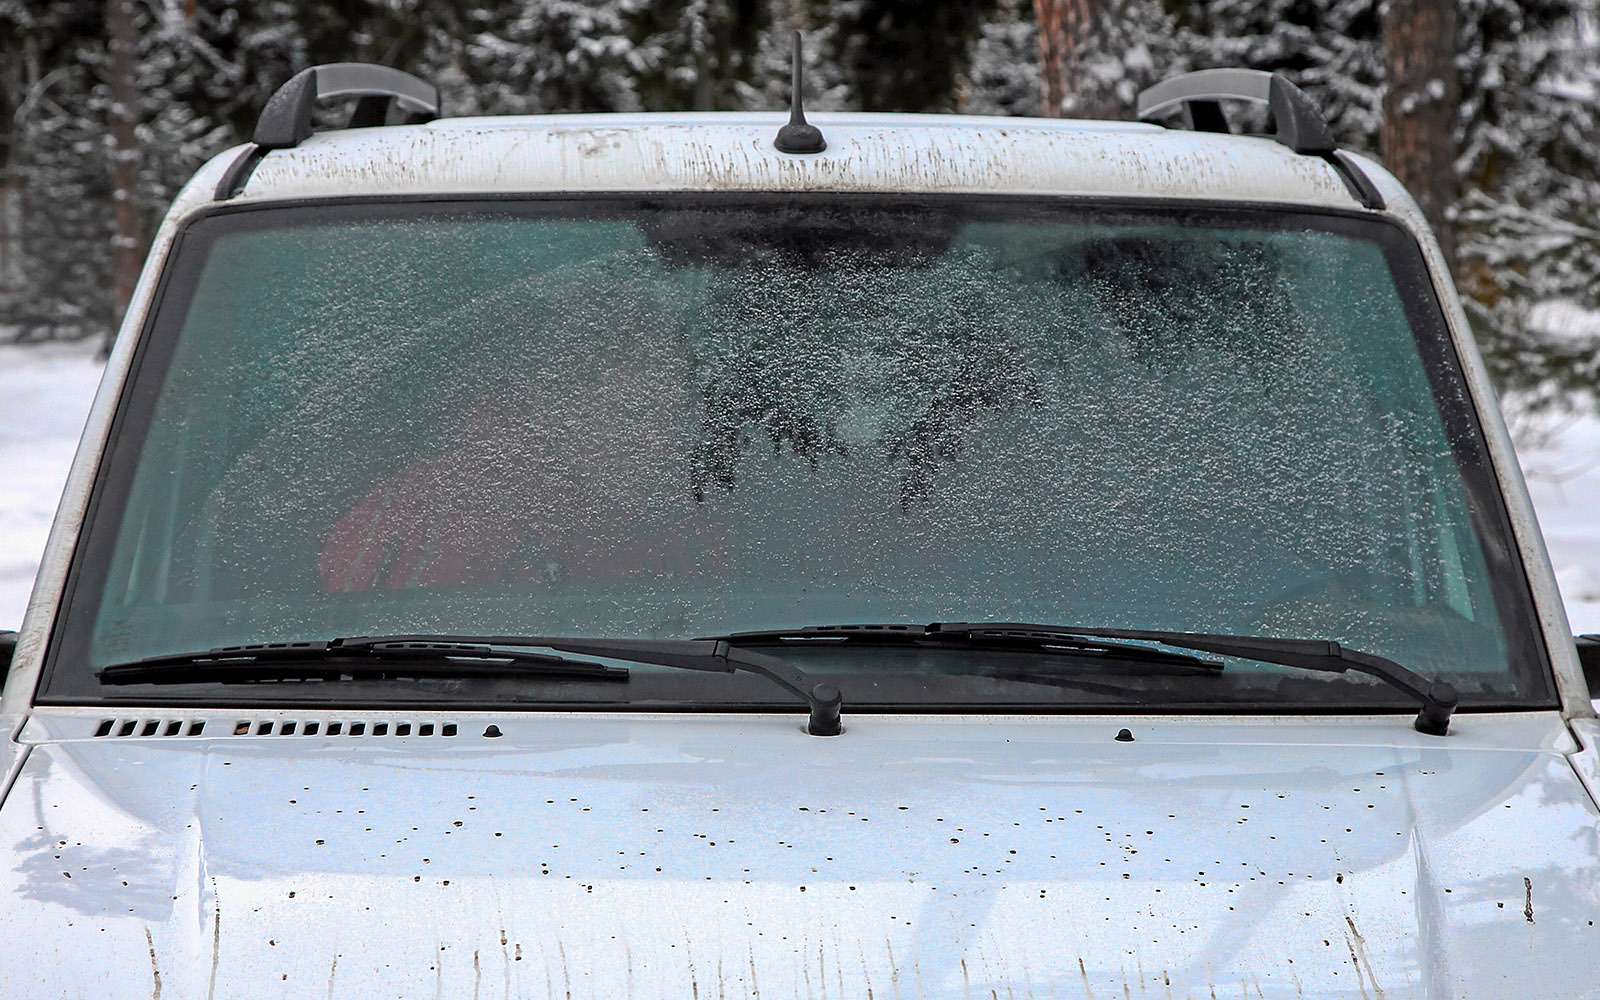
point(897, 55)
point(1096, 55)
point(1002, 75)
point(1527, 134)
point(531, 58)
point(56, 172)
point(1529, 157)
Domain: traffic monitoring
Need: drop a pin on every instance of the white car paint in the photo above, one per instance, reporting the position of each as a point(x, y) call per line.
point(937, 857)
point(733, 152)
point(1271, 857)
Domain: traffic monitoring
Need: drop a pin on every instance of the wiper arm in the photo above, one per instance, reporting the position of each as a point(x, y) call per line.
point(351, 659)
point(824, 700)
point(432, 656)
point(1438, 698)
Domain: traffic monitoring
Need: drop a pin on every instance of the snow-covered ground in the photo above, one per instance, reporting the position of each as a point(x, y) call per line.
point(1562, 463)
point(45, 392)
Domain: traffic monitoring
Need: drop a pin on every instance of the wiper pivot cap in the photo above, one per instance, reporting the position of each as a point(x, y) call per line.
point(1438, 704)
point(826, 705)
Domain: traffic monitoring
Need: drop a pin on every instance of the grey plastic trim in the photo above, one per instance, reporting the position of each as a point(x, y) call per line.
point(1204, 85)
point(1355, 178)
point(285, 122)
point(1296, 121)
point(239, 170)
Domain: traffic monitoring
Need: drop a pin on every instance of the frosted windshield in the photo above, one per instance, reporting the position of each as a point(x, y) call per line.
point(672, 419)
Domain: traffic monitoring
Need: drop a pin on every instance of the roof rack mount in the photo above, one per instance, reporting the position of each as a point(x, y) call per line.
point(285, 122)
point(1294, 120)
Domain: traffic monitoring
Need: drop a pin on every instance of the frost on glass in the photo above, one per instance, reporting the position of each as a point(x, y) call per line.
point(702, 421)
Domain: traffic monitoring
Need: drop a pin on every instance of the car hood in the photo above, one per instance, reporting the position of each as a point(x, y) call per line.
point(581, 856)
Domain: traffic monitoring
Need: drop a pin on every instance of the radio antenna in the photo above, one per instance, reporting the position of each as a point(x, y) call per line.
point(798, 136)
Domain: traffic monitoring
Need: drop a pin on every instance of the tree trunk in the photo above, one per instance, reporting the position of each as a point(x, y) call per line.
point(1067, 34)
point(126, 241)
point(1420, 107)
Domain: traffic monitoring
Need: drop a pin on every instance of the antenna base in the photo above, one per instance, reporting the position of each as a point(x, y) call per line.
point(799, 137)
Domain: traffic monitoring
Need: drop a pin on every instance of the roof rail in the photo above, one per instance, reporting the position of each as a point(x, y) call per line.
point(285, 122)
point(1294, 120)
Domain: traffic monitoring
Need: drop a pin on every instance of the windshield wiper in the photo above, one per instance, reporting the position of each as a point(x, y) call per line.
point(360, 657)
point(351, 659)
point(1023, 638)
point(823, 699)
point(1438, 698)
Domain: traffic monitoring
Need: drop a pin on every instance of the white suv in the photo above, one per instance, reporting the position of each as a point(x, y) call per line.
point(901, 556)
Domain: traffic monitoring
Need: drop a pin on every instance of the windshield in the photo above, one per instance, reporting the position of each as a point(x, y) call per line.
point(688, 415)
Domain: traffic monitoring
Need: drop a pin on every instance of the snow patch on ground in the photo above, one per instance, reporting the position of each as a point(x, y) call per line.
point(1562, 464)
point(45, 392)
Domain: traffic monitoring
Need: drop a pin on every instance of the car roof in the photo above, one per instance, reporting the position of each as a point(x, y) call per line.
point(733, 151)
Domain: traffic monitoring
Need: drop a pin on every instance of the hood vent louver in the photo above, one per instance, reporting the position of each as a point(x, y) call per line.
point(149, 727)
point(289, 727)
point(120, 728)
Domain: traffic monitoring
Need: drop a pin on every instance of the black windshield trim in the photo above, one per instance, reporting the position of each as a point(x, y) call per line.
point(1398, 709)
point(1512, 589)
point(501, 198)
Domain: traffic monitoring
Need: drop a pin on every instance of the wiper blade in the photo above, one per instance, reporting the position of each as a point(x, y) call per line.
point(1438, 698)
point(432, 655)
point(351, 659)
point(1021, 638)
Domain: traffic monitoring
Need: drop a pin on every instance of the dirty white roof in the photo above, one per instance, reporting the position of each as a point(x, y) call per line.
point(734, 152)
